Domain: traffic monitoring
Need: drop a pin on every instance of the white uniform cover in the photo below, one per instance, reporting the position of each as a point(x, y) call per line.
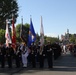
point(25, 54)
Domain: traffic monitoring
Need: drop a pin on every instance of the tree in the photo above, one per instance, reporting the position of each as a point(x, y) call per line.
point(7, 8)
point(51, 39)
point(2, 36)
point(73, 39)
point(18, 32)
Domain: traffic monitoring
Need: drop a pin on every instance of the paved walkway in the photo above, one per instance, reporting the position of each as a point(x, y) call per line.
point(65, 65)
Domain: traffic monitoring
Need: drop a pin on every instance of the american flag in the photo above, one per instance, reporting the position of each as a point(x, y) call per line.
point(7, 35)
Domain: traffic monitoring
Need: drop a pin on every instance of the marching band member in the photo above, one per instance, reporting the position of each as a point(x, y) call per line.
point(25, 54)
point(17, 53)
point(9, 55)
point(49, 55)
point(41, 56)
point(32, 55)
point(2, 55)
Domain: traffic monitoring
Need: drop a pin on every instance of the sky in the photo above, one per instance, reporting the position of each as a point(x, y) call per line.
point(57, 15)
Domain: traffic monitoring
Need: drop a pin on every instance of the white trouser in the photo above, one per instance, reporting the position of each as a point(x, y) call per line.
point(24, 59)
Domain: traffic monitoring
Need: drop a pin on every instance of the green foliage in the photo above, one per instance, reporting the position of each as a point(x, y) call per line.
point(51, 39)
point(7, 8)
point(73, 39)
point(18, 32)
point(2, 35)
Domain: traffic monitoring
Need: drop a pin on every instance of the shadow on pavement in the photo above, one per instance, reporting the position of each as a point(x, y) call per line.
point(67, 62)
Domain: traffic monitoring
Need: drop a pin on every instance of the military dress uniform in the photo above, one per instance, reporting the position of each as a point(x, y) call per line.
point(9, 55)
point(17, 53)
point(41, 57)
point(41, 53)
point(49, 55)
point(2, 56)
point(32, 56)
point(37, 53)
point(57, 50)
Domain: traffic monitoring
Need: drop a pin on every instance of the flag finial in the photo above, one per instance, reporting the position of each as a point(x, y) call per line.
point(30, 18)
point(22, 19)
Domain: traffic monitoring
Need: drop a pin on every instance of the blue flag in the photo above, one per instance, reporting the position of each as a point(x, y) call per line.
point(32, 34)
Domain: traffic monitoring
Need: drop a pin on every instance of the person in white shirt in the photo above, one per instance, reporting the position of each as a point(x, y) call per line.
point(25, 54)
point(64, 49)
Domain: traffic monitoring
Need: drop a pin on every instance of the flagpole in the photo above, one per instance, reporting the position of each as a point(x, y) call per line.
point(21, 28)
point(23, 32)
point(30, 16)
